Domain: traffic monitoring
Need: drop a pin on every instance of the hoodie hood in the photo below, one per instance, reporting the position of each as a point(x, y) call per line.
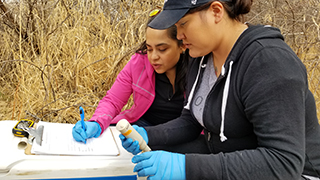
point(253, 33)
point(250, 35)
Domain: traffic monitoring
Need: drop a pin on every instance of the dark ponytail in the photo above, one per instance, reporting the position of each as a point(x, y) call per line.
point(235, 8)
point(182, 67)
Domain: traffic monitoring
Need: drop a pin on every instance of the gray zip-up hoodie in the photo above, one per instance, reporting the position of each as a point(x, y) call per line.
point(260, 117)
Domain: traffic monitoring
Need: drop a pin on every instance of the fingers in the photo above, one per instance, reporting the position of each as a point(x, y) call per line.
point(142, 132)
point(146, 164)
point(122, 137)
point(135, 127)
point(141, 157)
point(134, 148)
point(78, 125)
point(126, 142)
point(78, 138)
point(160, 165)
point(130, 145)
point(79, 134)
point(148, 171)
point(91, 129)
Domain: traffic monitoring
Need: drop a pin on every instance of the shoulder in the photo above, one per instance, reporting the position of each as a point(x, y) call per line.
point(139, 62)
point(139, 59)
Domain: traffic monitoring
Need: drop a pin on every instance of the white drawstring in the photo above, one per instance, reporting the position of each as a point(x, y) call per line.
point(224, 101)
point(224, 97)
point(187, 106)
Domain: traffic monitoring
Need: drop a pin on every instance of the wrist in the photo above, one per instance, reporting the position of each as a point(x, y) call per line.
point(97, 134)
point(146, 135)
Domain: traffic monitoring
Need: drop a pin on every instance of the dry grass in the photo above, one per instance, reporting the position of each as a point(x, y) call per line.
point(57, 55)
point(299, 22)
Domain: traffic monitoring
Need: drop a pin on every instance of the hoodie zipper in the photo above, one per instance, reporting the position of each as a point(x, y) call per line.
point(206, 104)
point(224, 100)
point(203, 66)
point(223, 105)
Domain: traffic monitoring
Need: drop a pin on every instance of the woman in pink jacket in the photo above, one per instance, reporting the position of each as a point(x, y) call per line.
point(155, 77)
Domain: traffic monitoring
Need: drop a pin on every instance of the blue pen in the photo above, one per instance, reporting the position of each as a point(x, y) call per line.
point(82, 118)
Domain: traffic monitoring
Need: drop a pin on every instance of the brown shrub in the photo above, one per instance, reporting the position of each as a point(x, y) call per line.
point(58, 55)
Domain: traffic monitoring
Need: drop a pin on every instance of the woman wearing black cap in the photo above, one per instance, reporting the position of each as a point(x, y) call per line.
point(247, 90)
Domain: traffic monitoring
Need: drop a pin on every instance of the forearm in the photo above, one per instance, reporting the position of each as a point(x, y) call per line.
point(180, 130)
point(114, 100)
point(261, 164)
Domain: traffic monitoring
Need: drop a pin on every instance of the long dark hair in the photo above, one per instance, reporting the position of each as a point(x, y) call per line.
point(181, 66)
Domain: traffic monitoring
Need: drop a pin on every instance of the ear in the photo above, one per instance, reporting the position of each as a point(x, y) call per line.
point(217, 10)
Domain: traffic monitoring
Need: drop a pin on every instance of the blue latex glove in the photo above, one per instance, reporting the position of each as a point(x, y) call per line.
point(133, 146)
point(93, 129)
point(160, 165)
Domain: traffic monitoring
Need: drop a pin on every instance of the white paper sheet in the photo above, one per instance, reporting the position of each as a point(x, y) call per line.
point(57, 139)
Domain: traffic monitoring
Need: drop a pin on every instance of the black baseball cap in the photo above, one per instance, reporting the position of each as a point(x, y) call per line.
point(173, 11)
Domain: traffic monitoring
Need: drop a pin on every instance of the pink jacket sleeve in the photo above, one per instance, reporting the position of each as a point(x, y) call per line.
point(129, 81)
point(112, 104)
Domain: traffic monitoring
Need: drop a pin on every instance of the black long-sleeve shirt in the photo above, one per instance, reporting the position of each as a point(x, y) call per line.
point(167, 104)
